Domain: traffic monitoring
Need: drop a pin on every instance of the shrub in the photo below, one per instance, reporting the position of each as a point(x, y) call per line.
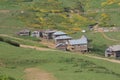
point(12, 43)
point(2, 77)
point(1, 39)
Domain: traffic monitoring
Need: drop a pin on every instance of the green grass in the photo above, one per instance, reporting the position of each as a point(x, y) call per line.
point(63, 65)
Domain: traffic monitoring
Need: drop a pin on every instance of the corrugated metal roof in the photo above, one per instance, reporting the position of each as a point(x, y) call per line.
point(115, 48)
point(50, 31)
point(25, 30)
point(82, 40)
point(59, 33)
point(63, 37)
point(60, 44)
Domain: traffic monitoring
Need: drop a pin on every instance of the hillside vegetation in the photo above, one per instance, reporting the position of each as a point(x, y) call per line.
point(68, 15)
point(62, 14)
point(63, 65)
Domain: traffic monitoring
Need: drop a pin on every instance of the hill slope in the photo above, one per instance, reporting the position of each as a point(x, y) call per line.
point(63, 65)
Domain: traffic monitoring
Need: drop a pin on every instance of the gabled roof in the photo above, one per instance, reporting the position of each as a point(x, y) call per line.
point(63, 37)
point(82, 40)
point(59, 33)
point(115, 48)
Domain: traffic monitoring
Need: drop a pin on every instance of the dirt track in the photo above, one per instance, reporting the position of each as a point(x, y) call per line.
point(106, 59)
point(37, 74)
point(36, 48)
point(108, 38)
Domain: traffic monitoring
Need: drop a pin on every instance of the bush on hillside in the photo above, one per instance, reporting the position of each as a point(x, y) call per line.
point(12, 43)
point(1, 39)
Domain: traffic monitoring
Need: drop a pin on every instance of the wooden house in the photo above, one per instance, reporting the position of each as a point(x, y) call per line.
point(58, 33)
point(48, 34)
point(61, 46)
point(78, 45)
point(24, 32)
point(36, 34)
point(62, 39)
point(113, 51)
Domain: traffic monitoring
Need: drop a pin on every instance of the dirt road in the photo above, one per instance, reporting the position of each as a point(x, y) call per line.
point(106, 59)
point(36, 48)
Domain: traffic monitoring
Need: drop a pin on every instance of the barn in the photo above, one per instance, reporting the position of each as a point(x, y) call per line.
point(62, 39)
point(78, 45)
point(113, 51)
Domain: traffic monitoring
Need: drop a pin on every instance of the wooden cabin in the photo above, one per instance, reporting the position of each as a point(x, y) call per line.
point(61, 46)
point(62, 39)
point(48, 34)
point(58, 33)
point(113, 51)
point(36, 34)
point(78, 45)
point(24, 32)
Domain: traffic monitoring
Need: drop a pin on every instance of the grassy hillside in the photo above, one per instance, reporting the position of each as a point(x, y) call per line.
point(63, 65)
point(62, 15)
point(72, 15)
point(58, 14)
point(96, 9)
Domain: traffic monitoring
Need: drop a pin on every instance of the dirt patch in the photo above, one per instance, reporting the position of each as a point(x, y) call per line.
point(37, 74)
point(48, 43)
point(4, 11)
point(2, 64)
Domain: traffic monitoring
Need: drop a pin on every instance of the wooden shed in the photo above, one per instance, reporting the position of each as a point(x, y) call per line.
point(36, 34)
point(78, 45)
point(113, 51)
point(62, 39)
point(58, 33)
point(48, 34)
point(61, 46)
point(24, 32)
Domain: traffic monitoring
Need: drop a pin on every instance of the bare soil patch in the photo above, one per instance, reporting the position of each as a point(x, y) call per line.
point(37, 74)
point(4, 11)
point(48, 43)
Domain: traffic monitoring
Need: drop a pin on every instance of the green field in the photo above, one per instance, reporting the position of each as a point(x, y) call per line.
point(63, 65)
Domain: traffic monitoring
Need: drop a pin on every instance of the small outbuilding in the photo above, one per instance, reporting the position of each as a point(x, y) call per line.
point(62, 39)
point(58, 33)
point(113, 51)
point(78, 45)
point(24, 32)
